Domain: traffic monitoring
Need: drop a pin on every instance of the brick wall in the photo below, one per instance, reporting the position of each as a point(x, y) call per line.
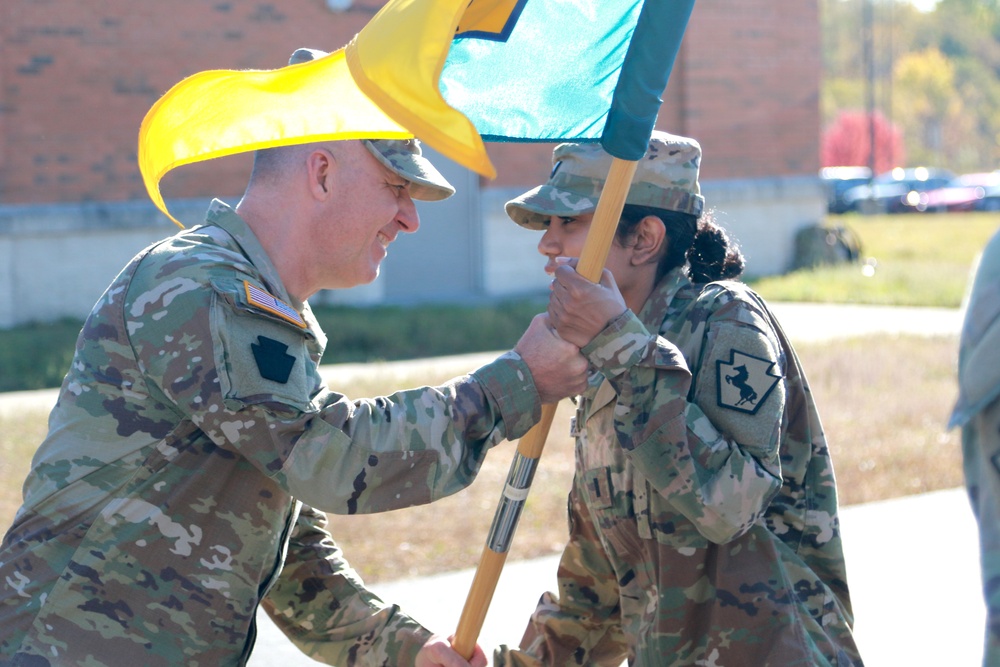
point(76, 79)
point(749, 87)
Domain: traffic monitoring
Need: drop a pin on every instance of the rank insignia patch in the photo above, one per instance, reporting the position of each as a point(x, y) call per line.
point(745, 381)
point(266, 301)
point(273, 360)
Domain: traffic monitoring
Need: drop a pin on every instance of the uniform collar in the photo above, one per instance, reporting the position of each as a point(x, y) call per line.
point(223, 215)
point(655, 309)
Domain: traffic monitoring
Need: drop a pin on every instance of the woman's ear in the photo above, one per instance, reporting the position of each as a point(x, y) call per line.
point(650, 241)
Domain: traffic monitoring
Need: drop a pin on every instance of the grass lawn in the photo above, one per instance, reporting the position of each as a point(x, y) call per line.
point(908, 260)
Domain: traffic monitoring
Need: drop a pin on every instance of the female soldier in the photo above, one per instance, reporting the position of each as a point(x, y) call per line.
point(703, 514)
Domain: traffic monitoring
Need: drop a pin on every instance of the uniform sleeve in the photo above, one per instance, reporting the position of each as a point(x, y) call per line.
point(247, 379)
point(322, 605)
point(582, 626)
point(714, 458)
point(978, 372)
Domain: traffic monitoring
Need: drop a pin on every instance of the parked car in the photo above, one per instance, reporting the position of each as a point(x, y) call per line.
point(962, 193)
point(890, 191)
point(990, 200)
point(897, 190)
point(838, 180)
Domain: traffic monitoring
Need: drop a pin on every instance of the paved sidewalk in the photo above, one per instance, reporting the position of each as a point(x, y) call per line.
point(818, 321)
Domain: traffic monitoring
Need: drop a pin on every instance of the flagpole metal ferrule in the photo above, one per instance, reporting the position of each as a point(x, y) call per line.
point(515, 493)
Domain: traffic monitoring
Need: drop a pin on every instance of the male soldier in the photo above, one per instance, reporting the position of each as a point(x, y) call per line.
point(194, 446)
point(977, 411)
point(703, 514)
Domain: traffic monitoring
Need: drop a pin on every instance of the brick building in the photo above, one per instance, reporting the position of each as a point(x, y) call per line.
point(77, 78)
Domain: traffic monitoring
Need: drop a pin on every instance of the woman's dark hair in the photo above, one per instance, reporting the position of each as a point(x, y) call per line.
point(699, 241)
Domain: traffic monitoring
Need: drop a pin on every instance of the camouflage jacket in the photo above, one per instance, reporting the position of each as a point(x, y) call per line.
point(703, 514)
point(977, 411)
point(978, 370)
point(166, 502)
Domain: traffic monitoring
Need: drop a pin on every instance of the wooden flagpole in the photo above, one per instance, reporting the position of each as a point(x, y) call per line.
point(529, 448)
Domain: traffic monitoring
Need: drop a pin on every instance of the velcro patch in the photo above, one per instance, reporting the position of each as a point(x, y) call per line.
point(745, 381)
point(266, 301)
point(598, 483)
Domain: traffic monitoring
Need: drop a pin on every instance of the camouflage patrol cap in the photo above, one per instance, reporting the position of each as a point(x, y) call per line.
point(666, 177)
point(401, 156)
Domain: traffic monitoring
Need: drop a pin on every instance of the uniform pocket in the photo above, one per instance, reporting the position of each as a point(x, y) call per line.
point(610, 498)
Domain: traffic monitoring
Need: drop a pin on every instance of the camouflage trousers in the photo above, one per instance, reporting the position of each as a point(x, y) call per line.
point(981, 460)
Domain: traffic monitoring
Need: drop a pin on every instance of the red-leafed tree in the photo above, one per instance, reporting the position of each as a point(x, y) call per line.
point(847, 142)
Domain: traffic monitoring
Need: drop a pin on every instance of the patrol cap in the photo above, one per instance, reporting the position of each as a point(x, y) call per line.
point(402, 156)
point(666, 177)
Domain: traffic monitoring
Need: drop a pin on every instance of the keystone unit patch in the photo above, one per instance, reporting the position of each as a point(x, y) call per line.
point(745, 382)
point(273, 360)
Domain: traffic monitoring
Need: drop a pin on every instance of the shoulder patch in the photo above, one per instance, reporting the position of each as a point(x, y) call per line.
point(273, 361)
point(745, 381)
point(264, 300)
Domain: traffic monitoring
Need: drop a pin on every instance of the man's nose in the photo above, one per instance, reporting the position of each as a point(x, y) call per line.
point(408, 219)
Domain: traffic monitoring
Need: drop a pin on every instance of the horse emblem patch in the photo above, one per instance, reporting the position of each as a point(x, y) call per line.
point(745, 381)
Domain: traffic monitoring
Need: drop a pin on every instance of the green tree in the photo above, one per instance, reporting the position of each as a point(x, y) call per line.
point(925, 94)
point(936, 75)
point(979, 89)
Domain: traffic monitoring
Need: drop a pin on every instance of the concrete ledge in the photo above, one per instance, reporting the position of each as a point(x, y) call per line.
point(57, 259)
point(765, 214)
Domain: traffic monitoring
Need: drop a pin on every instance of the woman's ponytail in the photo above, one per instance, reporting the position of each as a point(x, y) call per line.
point(712, 255)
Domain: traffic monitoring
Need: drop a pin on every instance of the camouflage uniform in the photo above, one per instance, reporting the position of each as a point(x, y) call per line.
point(703, 514)
point(977, 411)
point(192, 439)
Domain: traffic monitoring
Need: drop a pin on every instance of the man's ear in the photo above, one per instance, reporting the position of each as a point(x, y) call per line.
point(320, 167)
point(650, 241)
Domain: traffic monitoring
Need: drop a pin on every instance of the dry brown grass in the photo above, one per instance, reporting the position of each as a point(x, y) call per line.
point(884, 402)
point(20, 434)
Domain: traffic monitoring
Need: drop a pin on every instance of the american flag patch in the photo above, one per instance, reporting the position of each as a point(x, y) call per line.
point(266, 301)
